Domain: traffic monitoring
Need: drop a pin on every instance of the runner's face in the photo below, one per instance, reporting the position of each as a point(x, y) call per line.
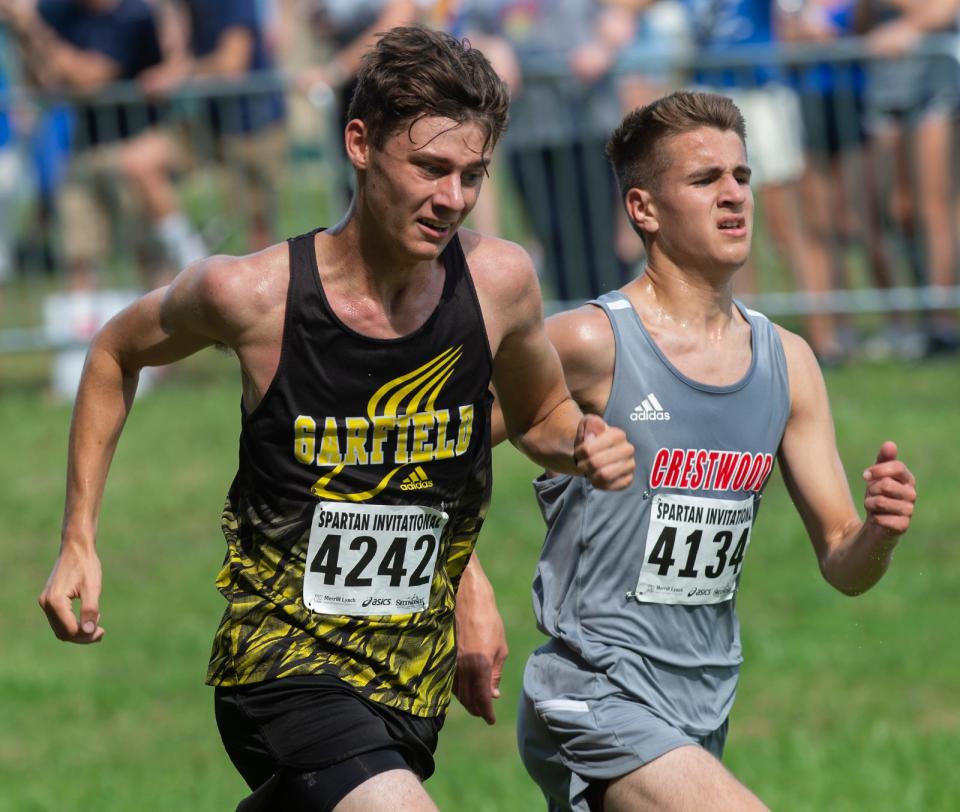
point(704, 202)
point(424, 181)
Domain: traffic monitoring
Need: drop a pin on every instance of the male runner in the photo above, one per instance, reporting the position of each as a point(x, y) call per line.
point(626, 707)
point(366, 354)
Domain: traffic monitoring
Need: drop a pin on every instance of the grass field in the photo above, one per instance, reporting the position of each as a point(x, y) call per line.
point(844, 704)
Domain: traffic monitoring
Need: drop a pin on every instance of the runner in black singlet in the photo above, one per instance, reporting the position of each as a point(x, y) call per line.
point(367, 352)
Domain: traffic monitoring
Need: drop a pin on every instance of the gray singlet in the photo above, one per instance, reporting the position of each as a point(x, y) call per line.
point(670, 638)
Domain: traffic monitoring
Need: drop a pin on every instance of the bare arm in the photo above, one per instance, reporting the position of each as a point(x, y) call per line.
point(49, 60)
point(199, 308)
point(853, 553)
point(613, 30)
point(925, 15)
point(918, 18)
point(173, 26)
point(584, 344)
point(933, 15)
point(232, 56)
point(481, 643)
point(539, 415)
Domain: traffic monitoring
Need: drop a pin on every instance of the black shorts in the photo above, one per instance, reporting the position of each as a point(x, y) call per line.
point(832, 123)
point(303, 743)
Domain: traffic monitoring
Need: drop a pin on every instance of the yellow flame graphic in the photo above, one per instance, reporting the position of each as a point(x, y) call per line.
point(402, 395)
point(320, 487)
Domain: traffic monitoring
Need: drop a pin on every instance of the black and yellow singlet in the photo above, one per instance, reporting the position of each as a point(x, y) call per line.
point(364, 476)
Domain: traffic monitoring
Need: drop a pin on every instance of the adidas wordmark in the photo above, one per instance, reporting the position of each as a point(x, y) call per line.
point(416, 481)
point(649, 409)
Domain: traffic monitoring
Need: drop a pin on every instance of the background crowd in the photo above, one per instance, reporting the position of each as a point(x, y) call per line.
point(110, 107)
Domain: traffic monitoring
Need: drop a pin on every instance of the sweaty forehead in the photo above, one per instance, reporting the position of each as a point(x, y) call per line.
point(438, 133)
point(705, 146)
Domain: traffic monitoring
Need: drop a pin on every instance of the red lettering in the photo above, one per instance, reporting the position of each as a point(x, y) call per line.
point(687, 465)
point(756, 472)
point(725, 468)
point(673, 470)
point(697, 479)
point(742, 469)
point(765, 472)
point(700, 469)
point(713, 456)
point(656, 472)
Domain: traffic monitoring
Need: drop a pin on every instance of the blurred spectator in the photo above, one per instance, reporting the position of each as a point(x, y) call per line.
point(11, 185)
point(341, 31)
point(223, 40)
point(292, 47)
point(911, 102)
point(661, 38)
point(774, 145)
point(41, 134)
point(348, 28)
point(839, 190)
point(565, 104)
point(49, 135)
point(661, 35)
point(451, 16)
point(79, 47)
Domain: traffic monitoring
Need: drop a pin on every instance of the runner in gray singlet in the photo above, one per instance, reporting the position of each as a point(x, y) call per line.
point(636, 592)
point(626, 707)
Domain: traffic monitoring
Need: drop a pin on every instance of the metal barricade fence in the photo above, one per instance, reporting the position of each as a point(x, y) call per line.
point(97, 175)
point(552, 183)
point(812, 103)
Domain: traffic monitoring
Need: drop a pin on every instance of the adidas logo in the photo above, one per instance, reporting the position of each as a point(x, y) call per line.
point(416, 481)
point(649, 409)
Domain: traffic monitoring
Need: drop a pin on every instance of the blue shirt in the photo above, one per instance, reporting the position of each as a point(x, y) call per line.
point(6, 131)
point(822, 79)
point(126, 34)
point(209, 21)
point(720, 25)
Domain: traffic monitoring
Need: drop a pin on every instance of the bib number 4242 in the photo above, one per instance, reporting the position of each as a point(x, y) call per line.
point(371, 559)
point(391, 564)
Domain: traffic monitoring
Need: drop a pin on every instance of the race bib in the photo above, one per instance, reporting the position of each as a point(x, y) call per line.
point(694, 549)
point(371, 559)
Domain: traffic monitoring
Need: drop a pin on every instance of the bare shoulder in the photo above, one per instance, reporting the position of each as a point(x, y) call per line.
point(798, 353)
point(581, 335)
point(585, 343)
point(500, 269)
point(229, 295)
point(804, 373)
point(233, 285)
point(507, 287)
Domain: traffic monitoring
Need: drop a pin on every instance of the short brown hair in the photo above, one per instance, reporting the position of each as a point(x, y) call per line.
point(635, 148)
point(414, 72)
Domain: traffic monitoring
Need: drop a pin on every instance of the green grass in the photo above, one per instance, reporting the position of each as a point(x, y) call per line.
point(845, 704)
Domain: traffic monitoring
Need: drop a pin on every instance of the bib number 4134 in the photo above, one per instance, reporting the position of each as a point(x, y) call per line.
point(694, 549)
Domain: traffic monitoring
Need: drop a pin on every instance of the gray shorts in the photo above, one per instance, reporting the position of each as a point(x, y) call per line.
point(586, 732)
point(904, 92)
